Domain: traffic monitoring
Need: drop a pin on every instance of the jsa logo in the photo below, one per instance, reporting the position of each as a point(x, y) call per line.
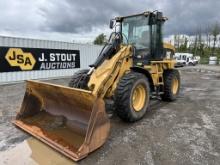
point(24, 60)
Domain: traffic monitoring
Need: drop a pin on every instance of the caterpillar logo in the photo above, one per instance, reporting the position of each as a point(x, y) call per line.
point(24, 60)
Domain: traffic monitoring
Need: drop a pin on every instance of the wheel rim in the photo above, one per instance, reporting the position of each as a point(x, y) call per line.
point(139, 97)
point(175, 85)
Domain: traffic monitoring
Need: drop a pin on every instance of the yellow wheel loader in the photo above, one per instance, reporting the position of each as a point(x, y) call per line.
point(131, 68)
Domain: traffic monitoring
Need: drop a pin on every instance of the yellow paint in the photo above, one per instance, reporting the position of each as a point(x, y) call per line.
point(139, 97)
point(104, 79)
point(175, 86)
point(156, 69)
point(24, 60)
point(168, 46)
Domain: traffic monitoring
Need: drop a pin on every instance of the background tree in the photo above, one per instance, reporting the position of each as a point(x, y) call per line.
point(195, 44)
point(200, 42)
point(208, 36)
point(184, 44)
point(100, 39)
point(215, 33)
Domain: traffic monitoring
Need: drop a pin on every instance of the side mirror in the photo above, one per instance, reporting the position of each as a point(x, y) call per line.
point(111, 24)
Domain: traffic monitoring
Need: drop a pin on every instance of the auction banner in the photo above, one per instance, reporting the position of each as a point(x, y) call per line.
point(27, 59)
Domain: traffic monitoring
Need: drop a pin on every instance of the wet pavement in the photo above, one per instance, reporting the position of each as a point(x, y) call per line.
point(186, 131)
point(33, 152)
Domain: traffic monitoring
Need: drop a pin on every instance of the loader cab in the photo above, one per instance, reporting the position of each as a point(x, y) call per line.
point(144, 32)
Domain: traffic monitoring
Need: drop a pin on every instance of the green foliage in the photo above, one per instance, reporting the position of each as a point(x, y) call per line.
point(183, 47)
point(204, 42)
point(100, 39)
point(215, 32)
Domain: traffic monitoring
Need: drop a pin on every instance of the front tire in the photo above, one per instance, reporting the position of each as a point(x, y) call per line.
point(171, 85)
point(80, 79)
point(132, 97)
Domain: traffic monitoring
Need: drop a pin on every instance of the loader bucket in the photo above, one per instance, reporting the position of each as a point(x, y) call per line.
point(70, 120)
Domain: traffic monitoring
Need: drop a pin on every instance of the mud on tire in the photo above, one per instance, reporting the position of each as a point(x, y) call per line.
point(79, 79)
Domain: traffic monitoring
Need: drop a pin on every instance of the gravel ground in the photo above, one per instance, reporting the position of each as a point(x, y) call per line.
point(186, 131)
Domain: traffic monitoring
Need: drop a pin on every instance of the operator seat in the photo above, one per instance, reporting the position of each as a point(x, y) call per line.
point(144, 40)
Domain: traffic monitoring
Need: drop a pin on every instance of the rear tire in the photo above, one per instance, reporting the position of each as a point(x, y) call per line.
point(171, 85)
point(132, 97)
point(80, 79)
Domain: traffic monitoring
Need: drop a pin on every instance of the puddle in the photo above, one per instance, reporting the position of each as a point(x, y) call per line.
point(205, 78)
point(194, 89)
point(33, 152)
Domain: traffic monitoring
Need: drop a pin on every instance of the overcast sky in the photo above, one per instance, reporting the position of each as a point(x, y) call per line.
point(82, 20)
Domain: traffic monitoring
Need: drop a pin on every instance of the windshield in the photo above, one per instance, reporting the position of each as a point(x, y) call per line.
point(136, 31)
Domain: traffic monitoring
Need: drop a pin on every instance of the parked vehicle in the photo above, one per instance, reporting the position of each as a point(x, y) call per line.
point(185, 59)
point(213, 60)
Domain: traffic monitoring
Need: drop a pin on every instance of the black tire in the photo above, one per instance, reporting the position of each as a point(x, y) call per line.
point(80, 79)
point(124, 95)
point(170, 92)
